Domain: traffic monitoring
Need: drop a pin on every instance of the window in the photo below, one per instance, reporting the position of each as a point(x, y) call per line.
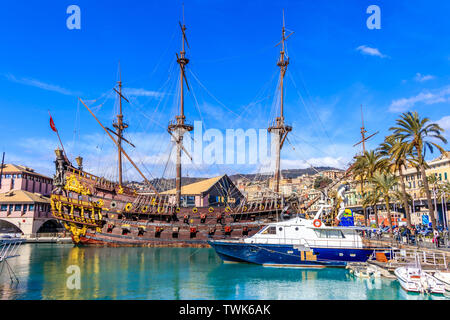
point(445, 175)
point(190, 201)
point(4, 207)
point(270, 230)
point(18, 207)
point(25, 208)
point(31, 207)
point(330, 234)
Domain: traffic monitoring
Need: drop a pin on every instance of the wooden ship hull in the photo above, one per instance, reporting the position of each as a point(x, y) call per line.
point(99, 212)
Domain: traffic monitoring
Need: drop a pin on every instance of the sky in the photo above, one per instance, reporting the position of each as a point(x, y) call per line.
point(336, 65)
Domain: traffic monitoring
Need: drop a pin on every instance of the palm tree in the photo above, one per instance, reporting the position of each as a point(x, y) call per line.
point(416, 135)
point(435, 187)
point(444, 194)
point(371, 199)
point(365, 167)
point(395, 152)
point(358, 169)
point(385, 183)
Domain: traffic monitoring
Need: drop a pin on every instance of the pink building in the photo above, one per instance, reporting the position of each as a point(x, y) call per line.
point(16, 177)
point(24, 201)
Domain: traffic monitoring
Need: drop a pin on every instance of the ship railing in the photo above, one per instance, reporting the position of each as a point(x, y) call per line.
point(335, 243)
point(9, 249)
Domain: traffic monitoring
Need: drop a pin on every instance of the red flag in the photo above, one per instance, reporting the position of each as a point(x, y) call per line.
point(52, 124)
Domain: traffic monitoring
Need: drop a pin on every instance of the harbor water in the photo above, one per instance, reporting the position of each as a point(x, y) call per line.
point(50, 271)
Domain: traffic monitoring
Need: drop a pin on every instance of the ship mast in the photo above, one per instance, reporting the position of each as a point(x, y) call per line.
point(120, 126)
point(179, 127)
point(363, 134)
point(279, 129)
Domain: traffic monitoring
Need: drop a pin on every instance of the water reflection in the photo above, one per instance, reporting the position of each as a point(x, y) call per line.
point(177, 273)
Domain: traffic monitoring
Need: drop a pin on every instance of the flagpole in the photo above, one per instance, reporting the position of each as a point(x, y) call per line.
point(57, 133)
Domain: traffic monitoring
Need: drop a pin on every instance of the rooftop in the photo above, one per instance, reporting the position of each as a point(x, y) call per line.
point(197, 187)
point(18, 169)
point(21, 196)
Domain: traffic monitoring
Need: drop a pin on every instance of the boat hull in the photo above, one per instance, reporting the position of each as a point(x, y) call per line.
point(288, 255)
point(112, 240)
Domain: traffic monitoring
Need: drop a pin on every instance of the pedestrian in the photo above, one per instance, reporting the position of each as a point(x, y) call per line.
point(436, 237)
point(413, 235)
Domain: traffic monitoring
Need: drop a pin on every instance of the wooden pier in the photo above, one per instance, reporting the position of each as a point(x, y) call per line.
point(402, 255)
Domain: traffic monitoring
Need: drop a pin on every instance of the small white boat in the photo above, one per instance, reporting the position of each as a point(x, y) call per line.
point(414, 279)
point(443, 277)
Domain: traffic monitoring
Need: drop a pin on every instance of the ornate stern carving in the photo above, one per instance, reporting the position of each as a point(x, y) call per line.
point(72, 184)
point(59, 180)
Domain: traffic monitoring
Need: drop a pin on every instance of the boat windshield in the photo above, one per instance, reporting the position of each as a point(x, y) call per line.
point(334, 234)
point(268, 230)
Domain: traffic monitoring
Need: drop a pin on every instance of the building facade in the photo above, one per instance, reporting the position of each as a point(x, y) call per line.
point(438, 167)
point(218, 191)
point(24, 201)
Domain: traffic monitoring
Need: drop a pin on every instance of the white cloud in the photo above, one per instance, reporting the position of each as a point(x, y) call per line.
point(371, 51)
point(444, 123)
point(40, 85)
point(425, 97)
point(422, 78)
point(136, 92)
point(338, 162)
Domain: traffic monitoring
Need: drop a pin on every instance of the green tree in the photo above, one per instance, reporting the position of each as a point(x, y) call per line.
point(395, 152)
point(416, 134)
point(371, 199)
point(364, 168)
point(385, 184)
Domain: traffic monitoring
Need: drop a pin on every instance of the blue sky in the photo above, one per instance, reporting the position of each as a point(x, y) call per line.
point(337, 64)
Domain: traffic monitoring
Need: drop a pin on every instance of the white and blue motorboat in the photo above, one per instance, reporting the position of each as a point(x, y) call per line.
point(298, 242)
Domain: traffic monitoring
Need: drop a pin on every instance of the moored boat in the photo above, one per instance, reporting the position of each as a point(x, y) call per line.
point(297, 243)
point(443, 277)
point(414, 279)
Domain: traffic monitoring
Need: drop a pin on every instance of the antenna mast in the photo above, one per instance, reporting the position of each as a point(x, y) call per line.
point(179, 127)
point(279, 129)
point(1, 169)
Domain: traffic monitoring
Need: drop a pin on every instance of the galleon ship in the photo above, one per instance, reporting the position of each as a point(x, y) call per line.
point(97, 211)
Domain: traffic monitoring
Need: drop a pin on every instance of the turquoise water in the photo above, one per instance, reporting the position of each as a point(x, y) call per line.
point(177, 273)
